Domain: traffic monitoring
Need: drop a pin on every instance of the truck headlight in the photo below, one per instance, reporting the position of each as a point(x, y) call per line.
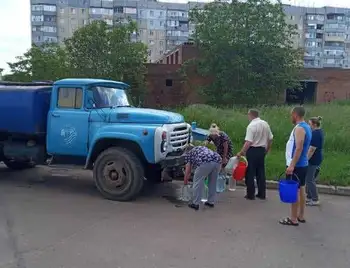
point(163, 146)
point(164, 143)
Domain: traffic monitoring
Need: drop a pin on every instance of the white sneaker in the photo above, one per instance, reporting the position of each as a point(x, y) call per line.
point(312, 203)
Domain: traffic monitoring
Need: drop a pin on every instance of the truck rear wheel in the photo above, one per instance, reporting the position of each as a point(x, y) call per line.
point(118, 174)
point(16, 165)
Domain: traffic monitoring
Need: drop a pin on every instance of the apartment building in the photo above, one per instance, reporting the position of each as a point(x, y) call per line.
point(323, 34)
point(162, 26)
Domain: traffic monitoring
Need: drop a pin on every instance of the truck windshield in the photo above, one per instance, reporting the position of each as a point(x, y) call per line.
point(106, 97)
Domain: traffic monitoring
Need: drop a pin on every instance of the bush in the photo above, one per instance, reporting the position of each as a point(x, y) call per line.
point(335, 169)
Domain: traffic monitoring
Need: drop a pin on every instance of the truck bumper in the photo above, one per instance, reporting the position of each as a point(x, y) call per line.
point(173, 161)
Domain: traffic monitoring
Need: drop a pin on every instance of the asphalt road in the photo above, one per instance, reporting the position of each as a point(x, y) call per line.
point(65, 223)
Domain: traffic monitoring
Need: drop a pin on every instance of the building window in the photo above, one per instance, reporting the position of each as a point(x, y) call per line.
point(50, 18)
point(310, 35)
point(129, 10)
point(118, 10)
point(336, 34)
point(71, 98)
point(161, 43)
point(311, 26)
point(310, 44)
point(72, 10)
point(50, 39)
point(173, 23)
point(151, 22)
point(48, 29)
point(151, 33)
point(83, 11)
point(62, 10)
point(333, 44)
point(151, 13)
point(38, 18)
point(37, 39)
point(151, 42)
point(335, 17)
point(49, 8)
point(330, 61)
point(101, 11)
point(161, 23)
point(161, 13)
point(168, 82)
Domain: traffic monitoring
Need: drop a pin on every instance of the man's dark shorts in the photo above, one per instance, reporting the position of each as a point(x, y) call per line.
point(300, 173)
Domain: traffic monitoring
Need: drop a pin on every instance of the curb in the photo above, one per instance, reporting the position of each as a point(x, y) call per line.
point(322, 189)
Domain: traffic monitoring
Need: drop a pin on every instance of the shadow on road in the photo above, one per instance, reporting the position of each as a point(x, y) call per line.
point(73, 182)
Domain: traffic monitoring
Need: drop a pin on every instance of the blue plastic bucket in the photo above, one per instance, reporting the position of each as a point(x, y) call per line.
point(288, 190)
point(194, 125)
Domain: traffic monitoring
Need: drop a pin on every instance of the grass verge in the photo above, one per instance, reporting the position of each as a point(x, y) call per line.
point(335, 169)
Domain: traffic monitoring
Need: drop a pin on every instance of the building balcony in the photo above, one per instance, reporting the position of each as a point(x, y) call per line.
point(309, 57)
point(177, 38)
point(314, 21)
point(125, 16)
point(335, 21)
point(334, 56)
point(332, 65)
point(333, 47)
point(334, 38)
point(41, 33)
point(37, 23)
point(179, 18)
point(183, 28)
point(47, 2)
point(332, 30)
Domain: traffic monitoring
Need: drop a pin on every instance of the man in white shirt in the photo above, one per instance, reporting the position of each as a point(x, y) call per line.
point(258, 142)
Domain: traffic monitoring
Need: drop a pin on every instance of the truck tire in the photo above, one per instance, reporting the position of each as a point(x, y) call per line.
point(16, 165)
point(118, 174)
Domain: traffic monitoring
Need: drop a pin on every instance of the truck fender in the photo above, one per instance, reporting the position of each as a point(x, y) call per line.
point(106, 140)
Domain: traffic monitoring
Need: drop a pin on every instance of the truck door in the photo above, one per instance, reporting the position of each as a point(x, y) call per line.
point(68, 123)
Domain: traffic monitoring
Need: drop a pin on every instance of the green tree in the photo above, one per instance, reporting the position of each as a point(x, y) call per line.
point(100, 51)
point(48, 62)
point(246, 49)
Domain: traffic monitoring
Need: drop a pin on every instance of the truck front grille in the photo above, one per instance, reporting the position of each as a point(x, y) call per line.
point(179, 137)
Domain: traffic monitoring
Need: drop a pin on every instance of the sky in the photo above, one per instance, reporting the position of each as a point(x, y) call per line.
point(15, 24)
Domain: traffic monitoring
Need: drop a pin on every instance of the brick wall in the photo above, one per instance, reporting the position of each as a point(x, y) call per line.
point(333, 84)
point(166, 87)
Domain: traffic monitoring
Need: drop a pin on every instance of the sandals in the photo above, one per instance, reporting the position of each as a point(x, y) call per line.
point(288, 222)
point(301, 221)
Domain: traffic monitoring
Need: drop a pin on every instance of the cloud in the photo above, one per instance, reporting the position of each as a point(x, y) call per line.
point(15, 30)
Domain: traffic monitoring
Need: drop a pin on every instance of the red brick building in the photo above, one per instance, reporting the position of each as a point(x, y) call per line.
point(167, 87)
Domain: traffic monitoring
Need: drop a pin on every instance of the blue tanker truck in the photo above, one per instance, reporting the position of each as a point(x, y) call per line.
point(90, 123)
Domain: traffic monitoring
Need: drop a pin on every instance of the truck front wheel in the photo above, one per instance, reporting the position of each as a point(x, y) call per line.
point(118, 174)
point(18, 165)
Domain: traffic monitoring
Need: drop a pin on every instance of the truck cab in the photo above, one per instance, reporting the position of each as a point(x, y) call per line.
point(92, 123)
